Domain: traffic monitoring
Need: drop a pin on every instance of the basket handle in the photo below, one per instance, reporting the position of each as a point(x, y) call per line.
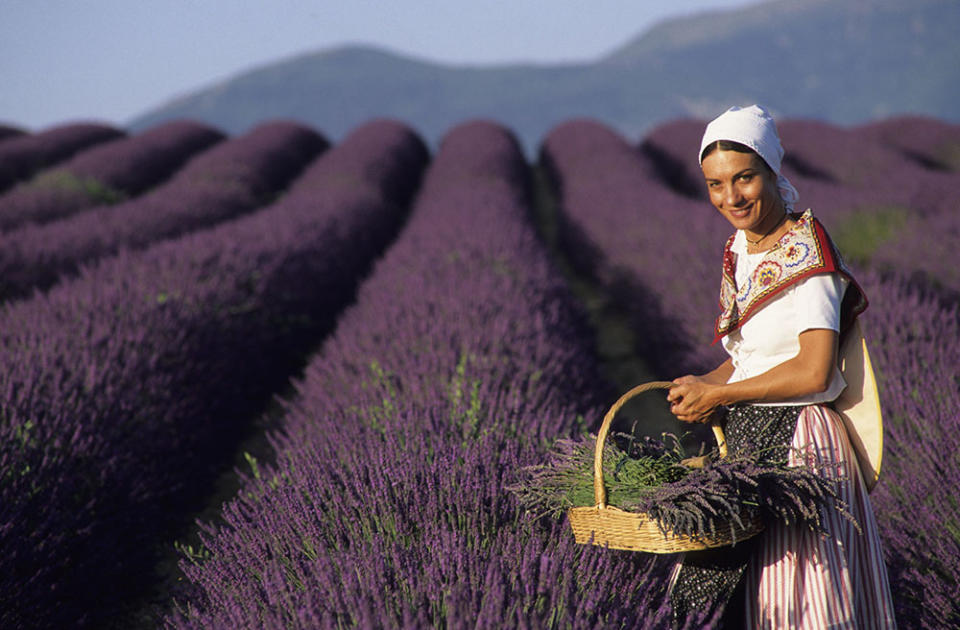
point(599, 492)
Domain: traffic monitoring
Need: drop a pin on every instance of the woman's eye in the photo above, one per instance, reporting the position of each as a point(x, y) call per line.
point(746, 177)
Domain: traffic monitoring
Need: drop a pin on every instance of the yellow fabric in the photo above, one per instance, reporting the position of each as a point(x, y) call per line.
point(859, 405)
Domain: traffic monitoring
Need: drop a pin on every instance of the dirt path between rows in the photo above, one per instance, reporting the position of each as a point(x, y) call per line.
point(647, 414)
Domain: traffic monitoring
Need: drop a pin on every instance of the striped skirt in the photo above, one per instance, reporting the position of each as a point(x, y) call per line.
point(802, 579)
point(791, 577)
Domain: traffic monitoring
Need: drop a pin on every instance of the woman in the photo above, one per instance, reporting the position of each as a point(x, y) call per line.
point(786, 298)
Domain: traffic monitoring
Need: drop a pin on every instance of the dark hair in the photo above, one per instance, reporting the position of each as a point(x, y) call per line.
point(730, 145)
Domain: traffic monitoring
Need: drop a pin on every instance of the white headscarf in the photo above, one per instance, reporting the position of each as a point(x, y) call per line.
point(754, 127)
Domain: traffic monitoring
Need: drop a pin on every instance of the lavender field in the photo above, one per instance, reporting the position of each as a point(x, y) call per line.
point(368, 341)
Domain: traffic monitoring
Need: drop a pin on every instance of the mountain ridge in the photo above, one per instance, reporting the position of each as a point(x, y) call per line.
point(842, 61)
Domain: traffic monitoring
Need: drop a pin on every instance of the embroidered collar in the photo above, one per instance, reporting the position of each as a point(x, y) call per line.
point(802, 252)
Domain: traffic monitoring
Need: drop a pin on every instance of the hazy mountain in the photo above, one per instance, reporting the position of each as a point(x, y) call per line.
point(845, 61)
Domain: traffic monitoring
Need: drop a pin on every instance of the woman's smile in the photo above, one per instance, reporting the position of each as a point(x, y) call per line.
point(744, 190)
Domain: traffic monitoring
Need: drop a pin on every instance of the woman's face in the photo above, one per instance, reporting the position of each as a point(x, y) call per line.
point(743, 189)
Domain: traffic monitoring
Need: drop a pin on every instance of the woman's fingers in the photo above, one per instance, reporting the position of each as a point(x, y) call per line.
point(676, 392)
point(693, 417)
point(689, 402)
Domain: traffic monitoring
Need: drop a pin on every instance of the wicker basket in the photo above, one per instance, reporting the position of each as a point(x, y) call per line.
point(611, 527)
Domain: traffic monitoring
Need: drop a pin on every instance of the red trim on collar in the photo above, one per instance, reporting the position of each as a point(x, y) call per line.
point(826, 260)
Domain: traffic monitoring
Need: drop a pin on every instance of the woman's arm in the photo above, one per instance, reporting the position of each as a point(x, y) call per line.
point(810, 371)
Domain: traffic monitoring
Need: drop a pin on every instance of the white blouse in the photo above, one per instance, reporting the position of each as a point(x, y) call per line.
point(771, 335)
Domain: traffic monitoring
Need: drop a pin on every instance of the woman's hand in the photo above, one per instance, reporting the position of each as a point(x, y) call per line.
point(692, 398)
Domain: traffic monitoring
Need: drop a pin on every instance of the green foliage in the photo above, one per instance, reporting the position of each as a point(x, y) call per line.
point(68, 182)
point(566, 480)
point(866, 229)
point(252, 461)
point(382, 380)
point(23, 439)
point(465, 399)
point(195, 556)
point(22, 435)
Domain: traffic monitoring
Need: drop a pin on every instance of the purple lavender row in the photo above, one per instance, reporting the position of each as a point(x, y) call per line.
point(105, 174)
point(885, 175)
point(915, 346)
point(915, 340)
point(225, 181)
point(923, 246)
point(931, 142)
point(462, 357)
point(672, 149)
point(904, 215)
point(926, 251)
point(126, 390)
point(7, 132)
point(884, 208)
point(608, 192)
point(23, 156)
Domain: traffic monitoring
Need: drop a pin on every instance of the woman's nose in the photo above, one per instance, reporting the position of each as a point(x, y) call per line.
point(732, 196)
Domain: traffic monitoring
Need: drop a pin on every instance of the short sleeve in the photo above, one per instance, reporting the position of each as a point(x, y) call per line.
point(818, 299)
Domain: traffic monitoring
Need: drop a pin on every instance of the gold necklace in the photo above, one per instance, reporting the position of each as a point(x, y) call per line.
point(769, 232)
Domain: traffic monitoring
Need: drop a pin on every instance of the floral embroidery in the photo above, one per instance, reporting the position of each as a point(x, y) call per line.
point(743, 294)
point(767, 273)
point(804, 250)
point(796, 254)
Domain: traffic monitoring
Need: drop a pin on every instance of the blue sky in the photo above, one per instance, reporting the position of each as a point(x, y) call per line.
point(109, 60)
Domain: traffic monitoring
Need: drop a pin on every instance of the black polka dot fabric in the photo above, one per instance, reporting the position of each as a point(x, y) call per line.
point(754, 428)
point(708, 581)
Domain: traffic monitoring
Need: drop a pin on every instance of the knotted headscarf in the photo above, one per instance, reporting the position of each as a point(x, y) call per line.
point(754, 127)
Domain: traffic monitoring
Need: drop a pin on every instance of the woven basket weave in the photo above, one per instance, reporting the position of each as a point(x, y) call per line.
point(612, 527)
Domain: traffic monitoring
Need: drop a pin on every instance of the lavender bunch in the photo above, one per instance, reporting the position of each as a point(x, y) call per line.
point(566, 479)
point(649, 477)
point(734, 490)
